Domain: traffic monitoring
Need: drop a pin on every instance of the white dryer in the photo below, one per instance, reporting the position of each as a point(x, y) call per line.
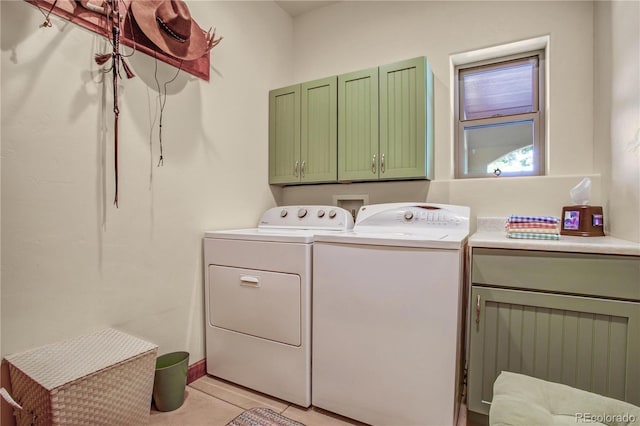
point(258, 299)
point(388, 315)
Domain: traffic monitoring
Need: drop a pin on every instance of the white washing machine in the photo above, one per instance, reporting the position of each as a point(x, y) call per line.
point(258, 300)
point(388, 315)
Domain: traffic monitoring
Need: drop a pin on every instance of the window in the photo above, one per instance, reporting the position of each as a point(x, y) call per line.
point(500, 124)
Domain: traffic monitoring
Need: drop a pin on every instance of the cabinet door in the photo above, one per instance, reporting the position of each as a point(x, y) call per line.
point(406, 120)
point(584, 342)
point(284, 135)
point(319, 133)
point(358, 125)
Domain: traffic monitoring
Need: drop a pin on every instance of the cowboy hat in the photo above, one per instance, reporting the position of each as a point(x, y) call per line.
point(169, 25)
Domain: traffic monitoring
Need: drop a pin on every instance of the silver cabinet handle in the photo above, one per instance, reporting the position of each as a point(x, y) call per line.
point(373, 164)
point(295, 169)
point(302, 169)
point(382, 163)
point(478, 310)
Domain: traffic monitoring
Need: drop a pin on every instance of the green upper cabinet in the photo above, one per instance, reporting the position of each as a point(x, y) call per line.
point(319, 133)
point(284, 135)
point(385, 122)
point(406, 120)
point(373, 124)
point(303, 133)
point(358, 125)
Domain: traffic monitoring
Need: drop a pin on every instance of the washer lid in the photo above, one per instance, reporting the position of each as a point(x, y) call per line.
point(440, 239)
point(412, 217)
point(408, 225)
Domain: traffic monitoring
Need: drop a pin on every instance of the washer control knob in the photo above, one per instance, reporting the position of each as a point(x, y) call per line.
point(320, 213)
point(408, 215)
point(302, 213)
point(332, 213)
point(283, 213)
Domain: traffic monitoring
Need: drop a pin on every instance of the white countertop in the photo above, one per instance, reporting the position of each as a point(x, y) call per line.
point(491, 234)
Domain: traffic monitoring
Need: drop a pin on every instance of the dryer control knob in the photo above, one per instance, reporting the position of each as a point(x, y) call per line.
point(408, 215)
point(321, 213)
point(302, 213)
point(332, 213)
point(283, 213)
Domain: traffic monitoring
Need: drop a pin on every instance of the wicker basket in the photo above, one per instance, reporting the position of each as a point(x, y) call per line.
point(104, 378)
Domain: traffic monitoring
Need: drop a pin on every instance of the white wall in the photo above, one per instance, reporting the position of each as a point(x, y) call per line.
point(617, 124)
point(71, 262)
point(353, 35)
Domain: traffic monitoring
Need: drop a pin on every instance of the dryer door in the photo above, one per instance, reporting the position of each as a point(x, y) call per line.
point(258, 303)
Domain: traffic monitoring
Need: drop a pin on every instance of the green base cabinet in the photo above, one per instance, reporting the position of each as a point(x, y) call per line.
point(303, 133)
point(551, 315)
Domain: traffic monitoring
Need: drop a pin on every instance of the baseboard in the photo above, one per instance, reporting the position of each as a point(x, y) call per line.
point(196, 370)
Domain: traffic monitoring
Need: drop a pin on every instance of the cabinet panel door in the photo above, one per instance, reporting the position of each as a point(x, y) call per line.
point(358, 125)
point(319, 133)
point(284, 135)
point(406, 119)
point(587, 343)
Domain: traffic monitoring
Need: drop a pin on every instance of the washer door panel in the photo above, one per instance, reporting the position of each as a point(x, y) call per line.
point(258, 303)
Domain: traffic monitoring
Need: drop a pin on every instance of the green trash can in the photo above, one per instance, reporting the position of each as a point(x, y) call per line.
point(170, 380)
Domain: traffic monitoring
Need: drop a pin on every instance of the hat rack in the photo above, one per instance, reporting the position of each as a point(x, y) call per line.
point(130, 35)
point(167, 22)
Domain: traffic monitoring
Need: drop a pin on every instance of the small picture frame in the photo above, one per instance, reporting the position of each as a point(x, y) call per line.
point(571, 220)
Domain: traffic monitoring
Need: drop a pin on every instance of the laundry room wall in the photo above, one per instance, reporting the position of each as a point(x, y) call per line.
point(353, 35)
point(617, 112)
point(73, 263)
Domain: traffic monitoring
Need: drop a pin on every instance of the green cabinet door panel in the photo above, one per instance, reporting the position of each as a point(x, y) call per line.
point(406, 120)
point(284, 135)
point(358, 125)
point(319, 133)
point(584, 342)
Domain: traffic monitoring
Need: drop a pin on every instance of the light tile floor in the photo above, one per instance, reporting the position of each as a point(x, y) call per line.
point(213, 402)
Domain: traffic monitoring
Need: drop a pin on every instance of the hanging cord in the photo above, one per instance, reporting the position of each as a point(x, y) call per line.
point(162, 99)
point(47, 21)
point(102, 59)
point(115, 65)
point(116, 60)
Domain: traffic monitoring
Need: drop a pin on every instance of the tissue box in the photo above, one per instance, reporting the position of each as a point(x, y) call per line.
point(105, 378)
point(582, 221)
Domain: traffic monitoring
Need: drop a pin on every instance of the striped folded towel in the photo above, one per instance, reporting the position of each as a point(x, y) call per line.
point(533, 219)
point(531, 225)
point(532, 230)
point(533, 236)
